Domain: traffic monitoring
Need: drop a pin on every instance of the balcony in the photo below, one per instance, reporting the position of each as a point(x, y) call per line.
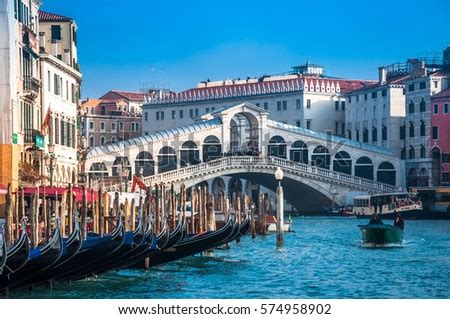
point(29, 136)
point(29, 38)
point(31, 87)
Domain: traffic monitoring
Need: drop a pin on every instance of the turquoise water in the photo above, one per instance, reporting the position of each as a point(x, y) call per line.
point(324, 258)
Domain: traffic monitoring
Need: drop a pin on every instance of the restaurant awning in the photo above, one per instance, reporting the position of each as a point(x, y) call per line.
point(58, 191)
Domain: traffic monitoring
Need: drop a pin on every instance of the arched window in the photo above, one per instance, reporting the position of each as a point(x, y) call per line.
point(374, 134)
point(212, 149)
point(102, 140)
point(423, 106)
point(122, 167)
point(342, 163)
point(299, 152)
point(167, 159)
point(365, 135)
point(412, 152)
point(423, 151)
point(411, 107)
point(277, 147)
point(422, 128)
point(189, 154)
point(403, 153)
point(144, 164)
point(386, 173)
point(411, 129)
point(321, 157)
point(364, 168)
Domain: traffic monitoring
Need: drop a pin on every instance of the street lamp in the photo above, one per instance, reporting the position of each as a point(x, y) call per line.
point(50, 161)
point(280, 207)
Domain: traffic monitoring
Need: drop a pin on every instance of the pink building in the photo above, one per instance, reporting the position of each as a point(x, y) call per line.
point(440, 137)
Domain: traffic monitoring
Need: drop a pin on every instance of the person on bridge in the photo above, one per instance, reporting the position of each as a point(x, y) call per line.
point(399, 222)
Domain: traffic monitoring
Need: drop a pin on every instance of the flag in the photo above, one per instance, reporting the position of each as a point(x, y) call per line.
point(46, 124)
point(139, 182)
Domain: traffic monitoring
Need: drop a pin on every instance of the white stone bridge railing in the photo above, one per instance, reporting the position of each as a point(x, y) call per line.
point(241, 164)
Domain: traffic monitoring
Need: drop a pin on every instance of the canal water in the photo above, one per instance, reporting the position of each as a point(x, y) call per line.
point(324, 258)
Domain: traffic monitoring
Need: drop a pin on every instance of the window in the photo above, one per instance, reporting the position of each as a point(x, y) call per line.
point(384, 92)
point(298, 123)
point(349, 99)
point(181, 114)
point(137, 127)
point(374, 95)
point(191, 113)
point(67, 90)
point(343, 128)
point(336, 128)
point(284, 105)
point(365, 96)
point(56, 32)
point(336, 105)
point(113, 139)
point(435, 84)
point(146, 116)
point(196, 112)
point(445, 177)
point(132, 127)
point(349, 134)
point(157, 116)
point(257, 104)
point(357, 135)
point(365, 135)
point(266, 105)
point(384, 133)
point(279, 106)
point(374, 134)
point(113, 127)
point(445, 108)
point(411, 107)
point(343, 105)
point(403, 153)
point(412, 152)
point(446, 158)
point(120, 126)
point(57, 85)
point(207, 110)
point(422, 85)
point(91, 141)
point(102, 140)
point(173, 114)
point(423, 106)
point(436, 109)
point(49, 79)
point(357, 97)
point(423, 151)
point(422, 128)
point(102, 126)
point(308, 124)
point(435, 132)
point(213, 108)
point(411, 129)
point(411, 87)
point(298, 104)
point(91, 125)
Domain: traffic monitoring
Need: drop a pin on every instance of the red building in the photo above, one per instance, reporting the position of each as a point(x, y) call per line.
point(440, 137)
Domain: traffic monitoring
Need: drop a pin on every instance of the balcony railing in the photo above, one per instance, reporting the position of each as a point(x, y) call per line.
point(31, 84)
point(29, 136)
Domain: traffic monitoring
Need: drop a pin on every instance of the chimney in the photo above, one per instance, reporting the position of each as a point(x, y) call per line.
point(54, 48)
point(67, 56)
point(41, 42)
point(382, 75)
point(417, 68)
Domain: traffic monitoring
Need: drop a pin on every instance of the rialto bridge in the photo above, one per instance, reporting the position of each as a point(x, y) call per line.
point(239, 143)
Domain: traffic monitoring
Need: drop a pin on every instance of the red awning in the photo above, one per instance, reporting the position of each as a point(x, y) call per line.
point(58, 191)
point(3, 189)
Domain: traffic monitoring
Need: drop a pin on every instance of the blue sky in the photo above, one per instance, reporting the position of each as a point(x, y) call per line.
point(176, 44)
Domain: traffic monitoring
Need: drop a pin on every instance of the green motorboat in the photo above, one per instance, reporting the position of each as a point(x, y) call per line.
point(381, 234)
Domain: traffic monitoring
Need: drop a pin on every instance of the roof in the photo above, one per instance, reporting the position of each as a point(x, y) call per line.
point(325, 136)
point(153, 137)
point(300, 83)
point(396, 80)
point(132, 96)
point(91, 103)
point(51, 17)
point(441, 72)
point(442, 95)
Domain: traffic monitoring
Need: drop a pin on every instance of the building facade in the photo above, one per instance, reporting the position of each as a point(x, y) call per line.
point(374, 114)
point(305, 98)
point(20, 87)
point(109, 121)
point(425, 82)
point(440, 138)
point(61, 82)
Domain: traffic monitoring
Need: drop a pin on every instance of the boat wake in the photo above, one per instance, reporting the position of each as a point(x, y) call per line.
point(383, 246)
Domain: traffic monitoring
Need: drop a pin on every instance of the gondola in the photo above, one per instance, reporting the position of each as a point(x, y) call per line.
point(18, 255)
point(72, 246)
point(244, 227)
point(235, 234)
point(40, 258)
point(2, 248)
point(168, 239)
point(93, 250)
point(193, 245)
point(133, 242)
